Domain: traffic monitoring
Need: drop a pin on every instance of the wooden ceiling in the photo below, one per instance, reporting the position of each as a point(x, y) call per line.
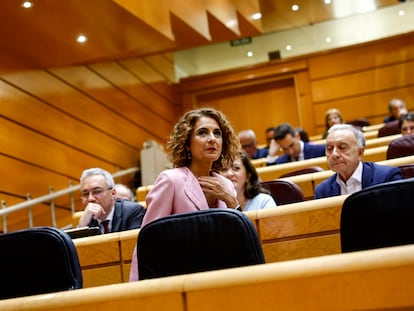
point(44, 36)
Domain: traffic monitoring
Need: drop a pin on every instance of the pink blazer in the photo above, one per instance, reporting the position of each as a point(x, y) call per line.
point(175, 191)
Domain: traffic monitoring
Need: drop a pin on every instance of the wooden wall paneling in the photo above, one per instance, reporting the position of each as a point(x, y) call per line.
point(44, 152)
point(257, 106)
point(303, 94)
point(273, 70)
point(252, 98)
point(100, 135)
point(41, 214)
point(128, 82)
point(369, 81)
point(157, 72)
point(21, 178)
point(362, 57)
point(373, 106)
point(130, 110)
point(31, 179)
point(131, 85)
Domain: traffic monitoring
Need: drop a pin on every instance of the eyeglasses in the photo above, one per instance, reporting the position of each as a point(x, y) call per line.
point(96, 192)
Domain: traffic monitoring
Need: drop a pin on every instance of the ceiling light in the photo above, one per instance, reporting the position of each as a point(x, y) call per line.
point(295, 7)
point(401, 12)
point(288, 47)
point(82, 39)
point(327, 1)
point(27, 4)
point(256, 16)
point(249, 54)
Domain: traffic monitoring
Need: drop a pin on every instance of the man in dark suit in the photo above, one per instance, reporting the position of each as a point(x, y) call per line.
point(345, 147)
point(396, 108)
point(102, 209)
point(293, 147)
point(249, 144)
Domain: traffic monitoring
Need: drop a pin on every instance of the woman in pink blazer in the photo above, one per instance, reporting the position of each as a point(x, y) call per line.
point(201, 144)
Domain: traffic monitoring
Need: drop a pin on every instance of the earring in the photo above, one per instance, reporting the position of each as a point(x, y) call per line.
point(188, 155)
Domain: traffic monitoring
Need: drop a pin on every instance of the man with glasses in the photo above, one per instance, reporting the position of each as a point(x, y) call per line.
point(101, 208)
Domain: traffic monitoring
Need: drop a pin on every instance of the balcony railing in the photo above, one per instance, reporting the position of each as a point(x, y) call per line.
point(50, 199)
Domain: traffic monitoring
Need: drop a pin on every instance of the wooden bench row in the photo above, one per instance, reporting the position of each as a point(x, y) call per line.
point(275, 171)
point(308, 182)
point(291, 231)
point(370, 143)
point(380, 279)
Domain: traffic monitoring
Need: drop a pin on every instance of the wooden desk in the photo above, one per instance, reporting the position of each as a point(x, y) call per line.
point(380, 279)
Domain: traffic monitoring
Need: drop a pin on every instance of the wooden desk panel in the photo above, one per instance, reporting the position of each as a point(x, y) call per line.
point(351, 281)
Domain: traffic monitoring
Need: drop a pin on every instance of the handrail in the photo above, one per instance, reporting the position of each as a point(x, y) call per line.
point(50, 197)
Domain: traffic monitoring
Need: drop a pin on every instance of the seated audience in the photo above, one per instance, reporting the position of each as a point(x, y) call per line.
point(251, 195)
point(332, 116)
point(406, 124)
point(302, 134)
point(102, 209)
point(124, 193)
point(396, 108)
point(201, 144)
point(293, 147)
point(249, 144)
point(269, 136)
point(345, 147)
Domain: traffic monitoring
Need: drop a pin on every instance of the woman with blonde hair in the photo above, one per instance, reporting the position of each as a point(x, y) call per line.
point(332, 116)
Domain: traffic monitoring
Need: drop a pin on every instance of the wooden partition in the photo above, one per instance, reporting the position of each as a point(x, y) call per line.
point(375, 154)
point(380, 279)
point(300, 230)
point(291, 231)
point(106, 259)
point(308, 182)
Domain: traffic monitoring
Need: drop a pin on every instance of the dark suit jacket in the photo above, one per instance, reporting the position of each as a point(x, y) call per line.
point(389, 119)
point(309, 151)
point(372, 174)
point(127, 215)
point(261, 153)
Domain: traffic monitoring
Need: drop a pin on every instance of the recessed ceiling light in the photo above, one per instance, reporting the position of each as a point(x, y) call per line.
point(27, 4)
point(295, 7)
point(401, 12)
point(256, 16)
point(328, 39)
point(327, 1)
point(288, 47)
point(82, 39)
point(250, 54)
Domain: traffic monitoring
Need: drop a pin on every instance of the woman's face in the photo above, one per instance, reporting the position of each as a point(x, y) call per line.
point(206, 141)
point(237, 174)
point(333, 119)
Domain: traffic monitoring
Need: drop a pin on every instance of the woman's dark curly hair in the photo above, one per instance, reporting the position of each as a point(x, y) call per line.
point(180, 137)
point(253, 185)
